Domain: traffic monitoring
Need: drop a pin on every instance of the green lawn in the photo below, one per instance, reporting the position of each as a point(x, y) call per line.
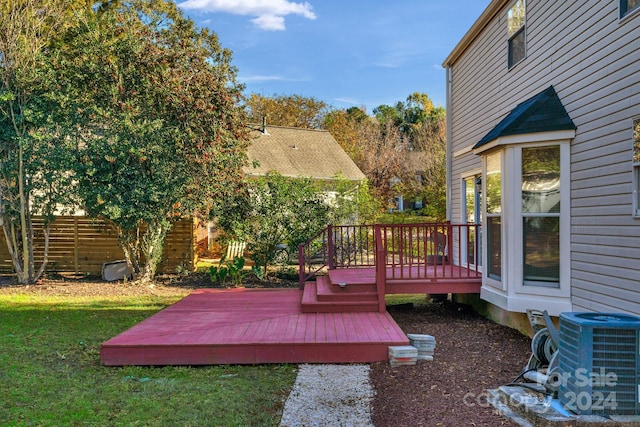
point(50, 372)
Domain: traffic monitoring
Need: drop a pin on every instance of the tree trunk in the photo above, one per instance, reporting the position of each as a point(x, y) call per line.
point(26, 241)
point(143, 250)
point(45, 256)
point(128, 242)
point(151, 248)
point(12, 246)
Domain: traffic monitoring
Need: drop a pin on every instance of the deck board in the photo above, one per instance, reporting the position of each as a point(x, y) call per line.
point(249, 326)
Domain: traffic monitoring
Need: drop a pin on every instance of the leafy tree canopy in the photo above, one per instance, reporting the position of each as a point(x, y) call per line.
point(153, 103)
point(287, 110)
point(401, 149)
point(416, 111)
point(34, 156)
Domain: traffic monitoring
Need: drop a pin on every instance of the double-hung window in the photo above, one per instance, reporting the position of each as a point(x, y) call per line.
point(472, 208)
point(628, 6)
point(541, 215)
point(516, 30)
point(493, 190)
point(636, 167)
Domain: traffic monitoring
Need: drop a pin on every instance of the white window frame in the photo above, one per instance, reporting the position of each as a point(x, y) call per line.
point(511, 293)
point(523, 215)
point(474, 174)
point(511, 34)
point(488, 280)
point(624, 11)
point(564, 284)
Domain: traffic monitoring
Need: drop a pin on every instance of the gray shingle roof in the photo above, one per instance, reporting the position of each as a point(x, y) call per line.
point(298, 152)
point(543, 112)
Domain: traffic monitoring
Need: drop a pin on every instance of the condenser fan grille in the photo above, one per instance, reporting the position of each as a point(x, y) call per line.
point(599, 365)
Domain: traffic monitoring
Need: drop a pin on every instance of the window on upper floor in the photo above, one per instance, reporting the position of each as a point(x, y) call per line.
point(628, 6)
point(516, 30)
point(636, 167)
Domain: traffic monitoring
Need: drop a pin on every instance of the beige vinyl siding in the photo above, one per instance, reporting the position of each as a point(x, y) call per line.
point(592, 59)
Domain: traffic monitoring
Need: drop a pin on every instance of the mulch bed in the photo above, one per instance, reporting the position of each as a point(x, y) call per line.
point(472, 354)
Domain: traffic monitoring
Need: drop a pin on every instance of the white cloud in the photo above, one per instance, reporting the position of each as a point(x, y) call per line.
point(269, 14)
point(260, 78)
point(348, 101)
point(270, 22)
point(257, 78)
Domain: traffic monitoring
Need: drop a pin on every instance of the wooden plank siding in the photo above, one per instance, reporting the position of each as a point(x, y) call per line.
point(592, 59)
point(81, 245)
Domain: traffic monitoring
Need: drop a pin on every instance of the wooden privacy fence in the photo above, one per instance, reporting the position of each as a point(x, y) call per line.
point(81, 245)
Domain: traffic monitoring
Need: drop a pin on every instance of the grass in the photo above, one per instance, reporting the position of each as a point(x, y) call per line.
point(406, 217)
point(50, 372)
point(418, 300)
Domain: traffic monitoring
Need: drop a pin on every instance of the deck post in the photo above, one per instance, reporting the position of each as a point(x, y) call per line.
point(449, 235)
point(331, 248)
point(381, 267)
point(301, 266)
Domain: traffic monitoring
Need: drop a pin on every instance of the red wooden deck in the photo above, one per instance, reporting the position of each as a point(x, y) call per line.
point(250, 326)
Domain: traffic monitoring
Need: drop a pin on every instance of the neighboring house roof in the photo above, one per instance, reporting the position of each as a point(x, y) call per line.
point(543, 112)
point(297, 152)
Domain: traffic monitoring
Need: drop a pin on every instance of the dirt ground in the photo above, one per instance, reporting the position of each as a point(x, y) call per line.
point(472, 354)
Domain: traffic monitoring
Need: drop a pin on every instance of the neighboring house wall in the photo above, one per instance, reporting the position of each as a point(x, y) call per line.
point(591, 57)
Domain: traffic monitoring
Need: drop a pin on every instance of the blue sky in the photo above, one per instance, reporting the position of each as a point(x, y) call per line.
point(344, 52)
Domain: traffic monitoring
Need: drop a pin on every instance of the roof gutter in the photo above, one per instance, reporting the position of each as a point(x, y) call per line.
point(494, 7)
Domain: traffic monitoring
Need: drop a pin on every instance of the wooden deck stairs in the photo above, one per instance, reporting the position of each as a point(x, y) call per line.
point(329, 294)
point(337, 316)
point(351, 268)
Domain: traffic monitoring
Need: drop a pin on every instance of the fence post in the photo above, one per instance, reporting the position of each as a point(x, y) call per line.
point(381, 267)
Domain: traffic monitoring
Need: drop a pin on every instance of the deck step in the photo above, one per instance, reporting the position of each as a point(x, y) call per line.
point(311, 304)
point(358, 279)
point(327, 291)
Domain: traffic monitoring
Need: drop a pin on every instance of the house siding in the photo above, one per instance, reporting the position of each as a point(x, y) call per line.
point(592, 59)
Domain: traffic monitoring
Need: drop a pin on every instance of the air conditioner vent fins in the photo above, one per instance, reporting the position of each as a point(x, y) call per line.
point(599, 363)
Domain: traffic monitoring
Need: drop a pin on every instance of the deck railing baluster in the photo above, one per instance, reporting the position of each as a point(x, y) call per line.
point(428, 252)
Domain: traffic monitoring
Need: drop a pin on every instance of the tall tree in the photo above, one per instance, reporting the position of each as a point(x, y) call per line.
point(287, 110)
point(343, 126)
point(401, 149)
point(428, 158)
point(34, 160)
point(409, 115)
point(382, 157)
point(161, 132)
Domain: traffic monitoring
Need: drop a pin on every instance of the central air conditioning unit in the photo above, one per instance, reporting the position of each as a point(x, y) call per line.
point(599, 363)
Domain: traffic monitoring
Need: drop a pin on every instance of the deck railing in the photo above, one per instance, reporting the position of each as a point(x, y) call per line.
point(427, 251)
point(337, 246)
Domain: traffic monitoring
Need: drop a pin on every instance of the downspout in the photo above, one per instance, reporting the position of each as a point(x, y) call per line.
point(449, 144)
